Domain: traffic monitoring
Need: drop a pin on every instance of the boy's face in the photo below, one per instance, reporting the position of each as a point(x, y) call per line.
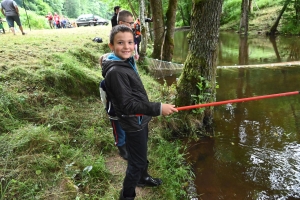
point(123, 45)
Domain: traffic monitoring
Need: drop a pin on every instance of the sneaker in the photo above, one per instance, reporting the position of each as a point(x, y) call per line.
point(23, 33)
point(149, 182)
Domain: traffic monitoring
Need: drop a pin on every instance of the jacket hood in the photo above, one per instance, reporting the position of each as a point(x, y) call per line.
point(114, 61)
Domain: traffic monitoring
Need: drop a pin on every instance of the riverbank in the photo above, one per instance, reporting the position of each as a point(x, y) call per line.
point(56, 141)
point(260, 21)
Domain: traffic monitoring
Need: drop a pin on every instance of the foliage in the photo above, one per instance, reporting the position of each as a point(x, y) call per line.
point(72, 8)
point(32, 20)
point(183, 14)
point(203, 85)
point(69, 8)
point(173, 160)
point(231, 11)
point(291, 27)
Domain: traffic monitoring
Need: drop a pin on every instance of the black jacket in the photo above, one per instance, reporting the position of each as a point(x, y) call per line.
point(114, 20)
point(127, 93)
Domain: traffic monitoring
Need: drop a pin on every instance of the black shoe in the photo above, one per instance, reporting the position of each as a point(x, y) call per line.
point(127, 198)
point(149, 182)
point(123, 152)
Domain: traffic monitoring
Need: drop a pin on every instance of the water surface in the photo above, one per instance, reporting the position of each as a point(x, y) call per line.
point(255, 153)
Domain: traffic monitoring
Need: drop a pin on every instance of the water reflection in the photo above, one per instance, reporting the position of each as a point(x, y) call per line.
point(256, 151)
point(240, 50)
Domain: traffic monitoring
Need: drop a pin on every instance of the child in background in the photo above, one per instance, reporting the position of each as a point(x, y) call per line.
point(132, 107)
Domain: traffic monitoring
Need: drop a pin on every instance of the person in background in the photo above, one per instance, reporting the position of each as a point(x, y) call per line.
point(63, 22)
point(129, 98)
point(114, 21)
point(56, 20)
point(138, 35)
point(10, 10)
point(125, 17)
point(50, 19)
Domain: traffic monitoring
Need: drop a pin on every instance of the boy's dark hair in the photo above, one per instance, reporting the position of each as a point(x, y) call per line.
point(116, 8)
point(123, 15)
point(117, 29)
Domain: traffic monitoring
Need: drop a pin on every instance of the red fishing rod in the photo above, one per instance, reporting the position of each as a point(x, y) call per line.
point(237, 100)
point(228, 101)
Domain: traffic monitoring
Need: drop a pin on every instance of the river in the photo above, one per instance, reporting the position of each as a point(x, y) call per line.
point(255, 153)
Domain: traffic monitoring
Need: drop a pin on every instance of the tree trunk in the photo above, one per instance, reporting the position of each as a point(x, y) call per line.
point(144, 41)
point(168, 48)
point(199, 72)
point(244, 17)
point(243, 51)
point(274, 27)
point(158, 28)
point(149, 25)
point(274, 44)
point(297, 10)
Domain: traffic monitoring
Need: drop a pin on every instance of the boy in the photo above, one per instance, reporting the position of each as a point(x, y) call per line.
point(132, 107)
point(126, 18)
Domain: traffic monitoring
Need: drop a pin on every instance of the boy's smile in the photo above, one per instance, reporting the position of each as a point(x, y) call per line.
point(123, 45)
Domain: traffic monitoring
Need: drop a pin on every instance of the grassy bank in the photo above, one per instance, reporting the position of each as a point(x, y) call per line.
point(261, 18)
point(56, 141)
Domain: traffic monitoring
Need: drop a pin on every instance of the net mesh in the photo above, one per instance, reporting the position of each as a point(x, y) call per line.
point(155, 64)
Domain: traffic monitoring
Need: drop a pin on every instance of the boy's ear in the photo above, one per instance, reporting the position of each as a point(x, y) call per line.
point(111, 46)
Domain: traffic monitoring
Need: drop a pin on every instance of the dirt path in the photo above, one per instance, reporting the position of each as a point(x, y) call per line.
point(117, 167)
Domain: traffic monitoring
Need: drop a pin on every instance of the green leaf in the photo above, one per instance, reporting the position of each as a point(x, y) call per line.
point(38, 172)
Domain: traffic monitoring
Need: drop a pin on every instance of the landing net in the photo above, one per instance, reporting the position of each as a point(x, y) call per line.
point(155, 65)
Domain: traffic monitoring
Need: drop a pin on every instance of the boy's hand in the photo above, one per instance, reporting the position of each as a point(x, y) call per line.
point(136, 56)
point(168, 109)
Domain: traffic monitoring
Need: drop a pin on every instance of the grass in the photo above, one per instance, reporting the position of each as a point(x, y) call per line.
point(262, 17)
point(56, 141)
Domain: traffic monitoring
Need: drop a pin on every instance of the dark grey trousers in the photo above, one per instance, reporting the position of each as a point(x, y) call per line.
point(136, 144)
